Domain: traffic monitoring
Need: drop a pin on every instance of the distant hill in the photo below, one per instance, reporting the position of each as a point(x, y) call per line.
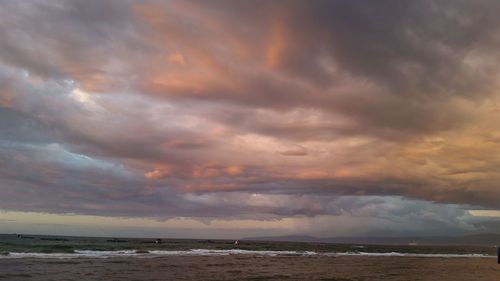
point(471, 240)
point(287, 238)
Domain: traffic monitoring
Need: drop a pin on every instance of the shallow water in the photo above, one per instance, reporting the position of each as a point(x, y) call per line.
point(251, 267)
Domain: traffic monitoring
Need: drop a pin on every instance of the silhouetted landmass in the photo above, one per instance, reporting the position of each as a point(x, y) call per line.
point(472, 240)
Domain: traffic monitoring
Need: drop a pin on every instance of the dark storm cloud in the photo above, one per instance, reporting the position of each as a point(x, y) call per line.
point(390, 67)
point(68, 39)
point(188, 108)
point(413, 53)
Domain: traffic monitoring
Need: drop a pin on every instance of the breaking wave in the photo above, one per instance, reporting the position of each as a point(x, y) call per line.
point(396, 254)
point(206, 252)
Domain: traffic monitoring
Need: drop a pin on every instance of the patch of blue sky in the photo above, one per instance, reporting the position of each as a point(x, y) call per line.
point(58, 154)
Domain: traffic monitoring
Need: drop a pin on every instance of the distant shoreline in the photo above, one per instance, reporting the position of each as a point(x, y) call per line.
point(487, 240)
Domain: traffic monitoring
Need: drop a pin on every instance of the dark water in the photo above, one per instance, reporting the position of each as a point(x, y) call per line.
point(11, 243)
point(31, 257)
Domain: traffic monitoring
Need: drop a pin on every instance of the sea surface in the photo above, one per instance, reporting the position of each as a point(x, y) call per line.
point(34, 257)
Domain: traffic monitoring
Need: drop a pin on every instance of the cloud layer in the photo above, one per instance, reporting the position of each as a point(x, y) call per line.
point(238, 110)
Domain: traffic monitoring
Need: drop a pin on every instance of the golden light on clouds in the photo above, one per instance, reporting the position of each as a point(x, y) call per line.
point(177, 58)
point(157, 174)
point(277, 42)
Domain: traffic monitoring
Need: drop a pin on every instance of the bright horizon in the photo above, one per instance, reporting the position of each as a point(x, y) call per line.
point(230, 119)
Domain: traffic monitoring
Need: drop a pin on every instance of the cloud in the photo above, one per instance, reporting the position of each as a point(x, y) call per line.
point(296, 151)
point(161, 109)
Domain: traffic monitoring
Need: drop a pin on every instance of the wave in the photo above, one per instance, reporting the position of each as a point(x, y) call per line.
point(207, 252)
point(397, 254)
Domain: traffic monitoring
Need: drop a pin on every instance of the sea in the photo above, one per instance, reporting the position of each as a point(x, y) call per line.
point(39, 257)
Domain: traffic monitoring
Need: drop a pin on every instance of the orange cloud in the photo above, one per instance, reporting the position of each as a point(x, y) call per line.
point(234, 170)
point(313, 175)
point(209, 186)
point(177, 58)
point(209, 170)
point(157, 174)
point(277, 41)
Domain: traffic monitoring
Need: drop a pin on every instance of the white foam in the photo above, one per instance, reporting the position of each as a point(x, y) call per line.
point(37, 255)
point(207, 252)
point(152, 253)
point(396, 254)
point(76, 254)
point(91, 253)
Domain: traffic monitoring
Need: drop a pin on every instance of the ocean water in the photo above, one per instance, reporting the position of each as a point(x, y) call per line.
point(34, 257)
point(36, 246)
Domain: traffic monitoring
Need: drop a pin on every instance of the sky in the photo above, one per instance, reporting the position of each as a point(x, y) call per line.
point(226, 119)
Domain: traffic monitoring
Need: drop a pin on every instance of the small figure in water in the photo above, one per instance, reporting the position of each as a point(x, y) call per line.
point(236, 243)
point(158, 241)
